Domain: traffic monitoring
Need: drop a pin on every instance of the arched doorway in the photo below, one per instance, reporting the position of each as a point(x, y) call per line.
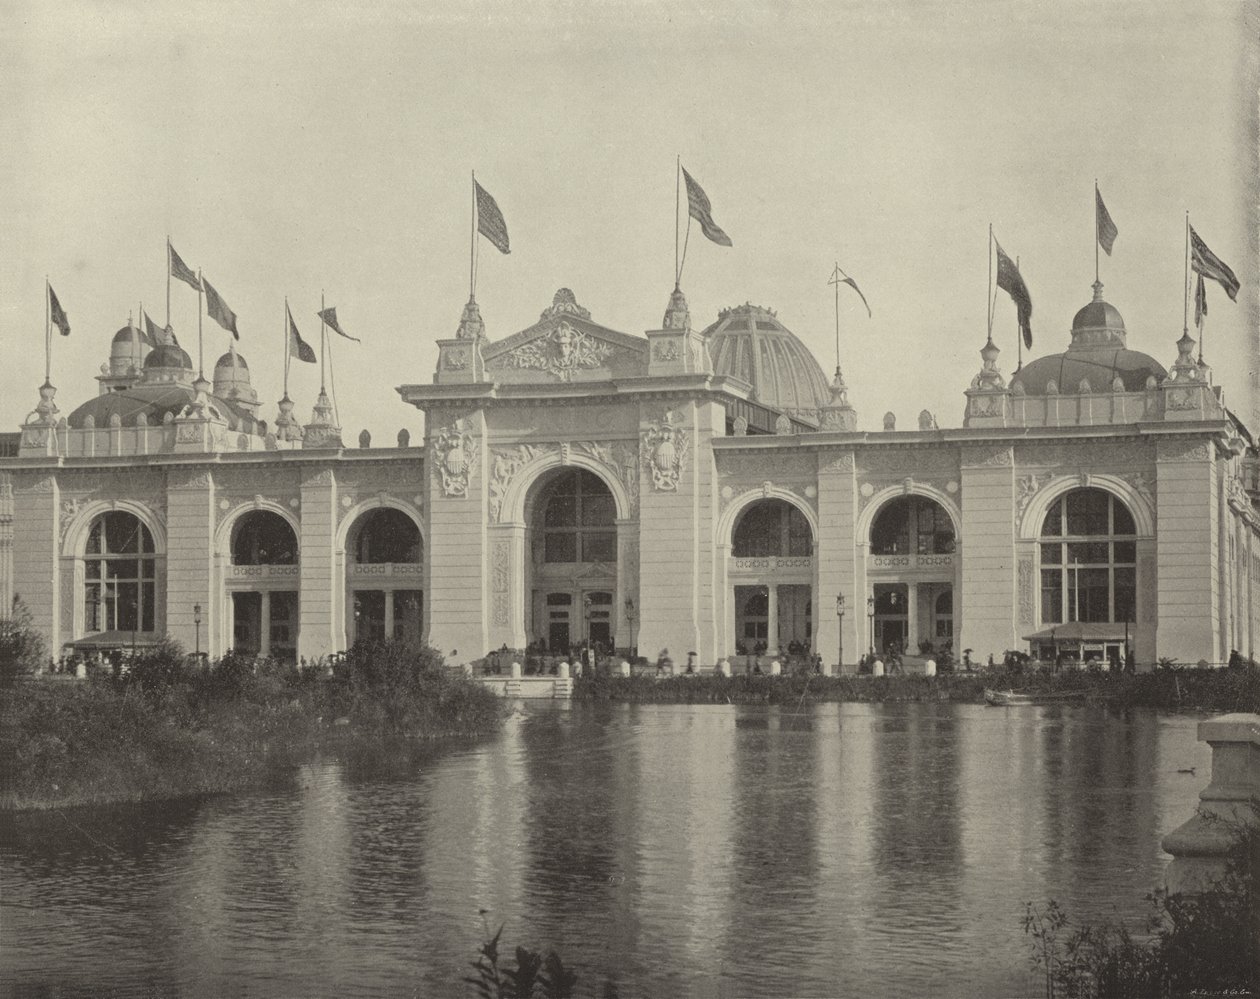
point(384, 578)
point(262, 585)
point(912, 568)
point(1087, 547)
point(571, 563)
point(119, 595)
point(772, 572)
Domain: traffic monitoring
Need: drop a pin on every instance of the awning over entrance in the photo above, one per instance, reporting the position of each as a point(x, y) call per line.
point(1081, 631)
point(106, 640)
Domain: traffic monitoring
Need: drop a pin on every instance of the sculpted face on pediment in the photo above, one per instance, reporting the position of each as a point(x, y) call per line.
point(560, 352)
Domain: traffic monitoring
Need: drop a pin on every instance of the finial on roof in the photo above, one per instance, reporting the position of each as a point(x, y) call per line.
point(1098, 287)
point(471, 326)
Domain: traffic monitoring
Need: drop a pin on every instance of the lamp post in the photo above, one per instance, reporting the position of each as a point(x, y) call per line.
point(630, 621)
point(870, 613)
point(840, 615)
point(197, 629)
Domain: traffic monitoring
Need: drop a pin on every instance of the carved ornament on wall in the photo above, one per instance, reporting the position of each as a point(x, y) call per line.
point(455, 458)
point(663, 449)
point(561, 352)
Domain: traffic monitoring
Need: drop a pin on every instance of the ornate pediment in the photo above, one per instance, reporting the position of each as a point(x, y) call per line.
point(563, 344)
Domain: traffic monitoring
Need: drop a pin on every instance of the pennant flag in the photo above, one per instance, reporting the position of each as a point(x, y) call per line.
point(329, 315)
point(698, 208)
point(57, 313)
point(489, 223)
point(298, 347)
point(1206, 263)
point(1200, 302)
point(853, 284)
point(218, 310)
point(1011, 282)
point(181, 270)
point(1107, 231)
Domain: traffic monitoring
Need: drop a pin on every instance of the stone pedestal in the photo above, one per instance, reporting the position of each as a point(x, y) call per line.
point(1201, 845)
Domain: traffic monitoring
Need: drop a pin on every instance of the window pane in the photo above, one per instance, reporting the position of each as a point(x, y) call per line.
point(598, 511)
point(1126, 589)
point(1052, 596)
point(1051, 554)
point(122, 568)
point(1126, 551)
point(146, 620)
point(92, 607)
point(561, 512)
point(1053, 526)
point(1122, 519)
point(1091, 602)
point(890, 534)
point(94, 538)
point(599, 547)
point(92, 568)
point(1087, 512)
point(128, 607)
point(559, 599)
point(1087, 552)
point(560, 547)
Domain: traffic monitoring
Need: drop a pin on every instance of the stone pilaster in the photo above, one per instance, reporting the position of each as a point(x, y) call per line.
point(319, 587)
point(987, 605)
point(1186, 542)
point(190, 495)
point(836, 556)
point(37, 575)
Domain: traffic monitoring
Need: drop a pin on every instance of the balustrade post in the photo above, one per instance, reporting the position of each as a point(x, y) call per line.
point(1201, 846)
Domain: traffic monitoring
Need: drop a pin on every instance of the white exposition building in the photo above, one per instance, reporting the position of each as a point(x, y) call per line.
point(696, 490)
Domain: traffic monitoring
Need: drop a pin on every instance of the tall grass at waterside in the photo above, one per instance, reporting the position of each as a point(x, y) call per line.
point(167, 730)
point(1170, 689)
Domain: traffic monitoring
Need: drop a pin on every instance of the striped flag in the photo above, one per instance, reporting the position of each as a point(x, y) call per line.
point(698, 208)
point(1206, 263)
point(218, 310)
point(1012, 282)
point(181, 270)
point(57, 313)
point(1107, 230)
point(329, 315)
point(298, 347)
point(490, 222)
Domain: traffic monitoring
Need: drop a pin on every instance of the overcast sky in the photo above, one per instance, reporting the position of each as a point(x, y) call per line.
point(294, 148)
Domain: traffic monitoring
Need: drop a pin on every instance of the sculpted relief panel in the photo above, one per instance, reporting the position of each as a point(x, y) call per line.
point(663, 450)
point(619, 458)
point(560, 352)
point(455, 454)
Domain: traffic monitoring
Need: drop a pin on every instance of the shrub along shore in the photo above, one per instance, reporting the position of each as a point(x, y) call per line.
point(1167, 689)
point(165, 730)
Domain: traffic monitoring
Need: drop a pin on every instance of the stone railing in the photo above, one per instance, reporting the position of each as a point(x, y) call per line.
point(385, 570)
point(773, 565)
point(1201, 846)
point(262, 573)
point(910, 562)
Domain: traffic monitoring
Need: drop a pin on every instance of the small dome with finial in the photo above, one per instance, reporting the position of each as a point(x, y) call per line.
point(232, 381)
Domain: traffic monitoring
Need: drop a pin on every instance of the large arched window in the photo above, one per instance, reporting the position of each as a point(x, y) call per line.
point(386, 535)
point(1088, 559)
point(119, 573)
point(912, 525)
point(579, 519)
point(772, 527)
point(263, 537)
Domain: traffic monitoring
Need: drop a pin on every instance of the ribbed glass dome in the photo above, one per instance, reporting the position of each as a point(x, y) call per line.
point(749, 343)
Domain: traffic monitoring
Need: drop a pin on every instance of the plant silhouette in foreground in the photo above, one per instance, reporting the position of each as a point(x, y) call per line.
point(534, 974)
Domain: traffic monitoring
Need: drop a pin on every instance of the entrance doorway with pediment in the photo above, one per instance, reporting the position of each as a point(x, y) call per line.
point(571, 565)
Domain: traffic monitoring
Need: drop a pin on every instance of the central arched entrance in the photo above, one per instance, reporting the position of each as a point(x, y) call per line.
point(771, 569)
point(912, 569)
point(571, 563)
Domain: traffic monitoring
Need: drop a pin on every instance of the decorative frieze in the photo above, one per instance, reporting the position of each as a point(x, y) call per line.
point(900, 461)
point(987, 456)
point(762, 464)
point(505, 462)
point(1097, 454)
point(1184, 449)
point(1024, 574)
point(560, 352)
point(663, 448)
point(501, 580)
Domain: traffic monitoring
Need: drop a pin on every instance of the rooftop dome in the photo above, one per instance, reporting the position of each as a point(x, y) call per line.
point(231, 360)
point(153, 401)
point(168, 356)
point(749, 343)
point(128, 334)
point(1095, 359)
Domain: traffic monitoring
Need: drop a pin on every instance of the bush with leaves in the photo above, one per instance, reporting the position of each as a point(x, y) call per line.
point(22, 648)
point(1203, 943)
point(534, 975)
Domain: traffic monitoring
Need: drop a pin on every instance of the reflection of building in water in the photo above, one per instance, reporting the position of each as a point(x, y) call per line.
point(687, 489)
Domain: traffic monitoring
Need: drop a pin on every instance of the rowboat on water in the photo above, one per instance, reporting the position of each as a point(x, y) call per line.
point(1010, 699)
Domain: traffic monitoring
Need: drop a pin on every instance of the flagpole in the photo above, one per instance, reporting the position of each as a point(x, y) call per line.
point(835, 276)
point(988, 308)
point(47, 331)
point(1185, 309)
point(1019, 333)
point(322, 338)
point(677, 182)
point(201, 375)
point(286, 346)
point(1096, 277)
point(168, 282)
point(472, 241)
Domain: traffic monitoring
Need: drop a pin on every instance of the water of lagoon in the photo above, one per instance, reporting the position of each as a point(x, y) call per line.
point(842, 850)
